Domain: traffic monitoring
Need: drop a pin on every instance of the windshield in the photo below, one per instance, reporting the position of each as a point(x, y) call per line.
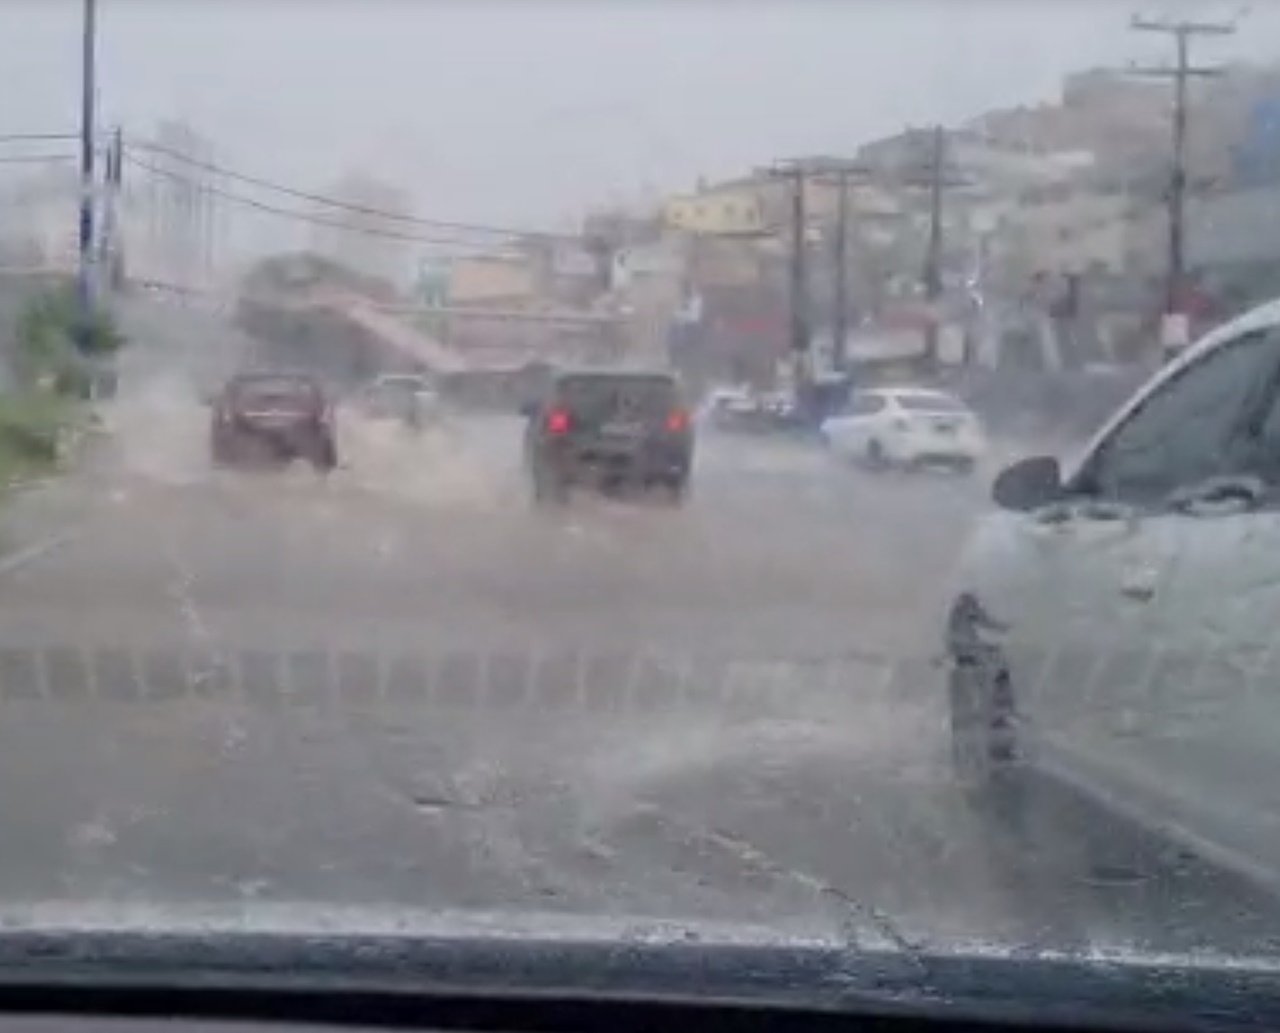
point(469, 462)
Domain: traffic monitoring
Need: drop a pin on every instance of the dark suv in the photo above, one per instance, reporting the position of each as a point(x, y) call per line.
point(273, 417)
point(609, 430)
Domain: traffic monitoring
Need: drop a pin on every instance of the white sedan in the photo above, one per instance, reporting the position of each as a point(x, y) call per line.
point(906, 427)
point(1113, 621)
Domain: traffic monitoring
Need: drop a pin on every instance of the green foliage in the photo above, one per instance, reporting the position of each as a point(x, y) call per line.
point(54, 349)
point(33, 427)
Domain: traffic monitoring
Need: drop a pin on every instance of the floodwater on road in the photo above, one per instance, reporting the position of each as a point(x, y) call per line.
point(402, 684)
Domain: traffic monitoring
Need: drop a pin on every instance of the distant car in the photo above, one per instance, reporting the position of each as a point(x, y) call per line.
point(408, 397)
point(906, 427)
point(273, 417)
point(724, 407)
point(743, 410)
point(609, 430)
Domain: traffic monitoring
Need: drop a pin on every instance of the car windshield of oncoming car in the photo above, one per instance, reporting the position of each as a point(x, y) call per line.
point(613, 470)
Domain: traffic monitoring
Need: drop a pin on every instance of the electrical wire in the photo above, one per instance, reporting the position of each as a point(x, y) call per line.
point(331, 202)
point(315, 220)
point(36, 159)
point(34, 137)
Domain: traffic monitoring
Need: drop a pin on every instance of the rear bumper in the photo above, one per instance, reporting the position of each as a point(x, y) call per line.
point(234, 444)
point(937, 449)
point(588, 464)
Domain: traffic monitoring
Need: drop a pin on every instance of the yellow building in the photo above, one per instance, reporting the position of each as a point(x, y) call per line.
point(488, 279)
point(729, 210)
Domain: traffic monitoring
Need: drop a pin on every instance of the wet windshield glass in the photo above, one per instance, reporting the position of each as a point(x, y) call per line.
point(715, 470)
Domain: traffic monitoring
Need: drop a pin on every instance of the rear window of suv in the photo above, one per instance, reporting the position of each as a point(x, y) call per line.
point(597, 397)
point(275, 389)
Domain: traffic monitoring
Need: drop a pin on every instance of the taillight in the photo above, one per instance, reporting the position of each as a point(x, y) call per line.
point(677, 421)
point(558, 421)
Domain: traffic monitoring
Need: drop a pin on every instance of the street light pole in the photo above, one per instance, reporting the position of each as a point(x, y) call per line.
point(87, 84)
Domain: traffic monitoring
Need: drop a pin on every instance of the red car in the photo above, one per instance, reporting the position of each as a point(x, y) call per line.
point(273, 417)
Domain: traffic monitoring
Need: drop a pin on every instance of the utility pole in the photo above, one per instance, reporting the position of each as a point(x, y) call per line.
point(799, 267)
point(1180, 72)
point(840, 295)
point(84, 291)
point(935, 175)
point(841, 175)
point(111, 243)
point(932, 274)
point(794, 172)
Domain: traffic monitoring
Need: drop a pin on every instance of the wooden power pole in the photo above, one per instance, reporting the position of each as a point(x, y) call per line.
point(1180, 72)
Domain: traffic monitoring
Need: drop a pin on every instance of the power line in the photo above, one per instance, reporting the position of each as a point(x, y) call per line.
point(36, 137)
point(331, 202)
point(36, 159)
point(270, 209)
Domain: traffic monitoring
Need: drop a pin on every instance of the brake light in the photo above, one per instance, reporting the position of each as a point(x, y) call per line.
point(677, 421)
point(558, 421)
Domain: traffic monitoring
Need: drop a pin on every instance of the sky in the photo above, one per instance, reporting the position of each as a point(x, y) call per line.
point(530, 112)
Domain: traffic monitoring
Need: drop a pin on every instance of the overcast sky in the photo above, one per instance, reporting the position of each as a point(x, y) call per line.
point(531, 111)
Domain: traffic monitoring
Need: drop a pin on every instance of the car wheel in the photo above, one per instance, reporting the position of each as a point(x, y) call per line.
point(326, 457)
point(984, 744)
point(549, 489)
point(677, 491)
point(875, 456)
point(220, 453)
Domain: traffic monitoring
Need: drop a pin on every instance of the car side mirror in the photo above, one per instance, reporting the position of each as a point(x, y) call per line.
point(1028, 484)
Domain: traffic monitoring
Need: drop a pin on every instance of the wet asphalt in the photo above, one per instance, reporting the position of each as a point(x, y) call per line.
point(404, 686)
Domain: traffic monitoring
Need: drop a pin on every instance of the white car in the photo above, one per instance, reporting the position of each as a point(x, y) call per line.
point(722, 404)
point(906, 427)
point(1116, 624)
point(407, 397)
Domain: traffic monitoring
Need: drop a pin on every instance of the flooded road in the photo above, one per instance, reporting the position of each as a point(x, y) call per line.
point(404, 684)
